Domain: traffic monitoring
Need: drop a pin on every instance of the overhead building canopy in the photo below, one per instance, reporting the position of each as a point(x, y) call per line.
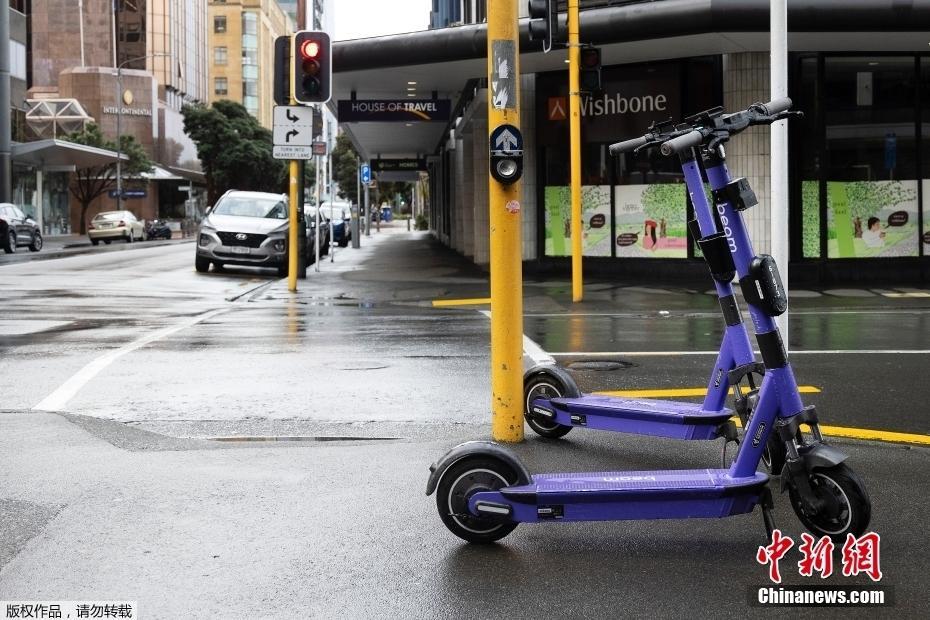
point(442, 61)
point(61, 155)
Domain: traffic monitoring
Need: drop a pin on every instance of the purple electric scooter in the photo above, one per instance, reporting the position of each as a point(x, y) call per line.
point(483, 491)
point(553, 404)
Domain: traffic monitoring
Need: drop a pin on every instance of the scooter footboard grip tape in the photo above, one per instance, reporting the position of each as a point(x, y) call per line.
point(677, 145)
point(626, 145)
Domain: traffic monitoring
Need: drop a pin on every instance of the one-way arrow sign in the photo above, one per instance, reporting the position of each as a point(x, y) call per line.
point(290, 134)
point(507, 139)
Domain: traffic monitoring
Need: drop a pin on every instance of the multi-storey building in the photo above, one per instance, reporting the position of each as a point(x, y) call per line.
point(241, 35)
point(130, 66)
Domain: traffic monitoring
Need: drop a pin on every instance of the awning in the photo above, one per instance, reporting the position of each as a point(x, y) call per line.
point(62, 155)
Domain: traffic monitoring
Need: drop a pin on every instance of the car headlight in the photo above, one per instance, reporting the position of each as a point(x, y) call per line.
point(279, 245)
point(204, 240)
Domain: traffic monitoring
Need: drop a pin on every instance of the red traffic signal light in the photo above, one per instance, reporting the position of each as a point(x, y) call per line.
point(590, 69)
point(312, 67)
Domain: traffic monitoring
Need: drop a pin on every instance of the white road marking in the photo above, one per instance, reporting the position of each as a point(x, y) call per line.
point(57, 400)
point(533, 354)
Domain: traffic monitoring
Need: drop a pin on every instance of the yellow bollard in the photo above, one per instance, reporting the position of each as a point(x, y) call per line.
point(574, 106)
point(506, 246)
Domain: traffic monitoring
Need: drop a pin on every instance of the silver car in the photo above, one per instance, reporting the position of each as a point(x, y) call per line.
point(244, 228)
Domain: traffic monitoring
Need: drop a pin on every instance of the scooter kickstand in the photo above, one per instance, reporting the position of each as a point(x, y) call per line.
point(768, 513)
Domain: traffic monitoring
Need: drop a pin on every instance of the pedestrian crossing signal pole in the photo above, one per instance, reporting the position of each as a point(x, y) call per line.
point(505, 193)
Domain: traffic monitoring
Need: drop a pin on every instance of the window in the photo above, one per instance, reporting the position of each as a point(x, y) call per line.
point(220, 86)
point(219, 24)
point(219, 55)
point(249, 23)
point(17, 60)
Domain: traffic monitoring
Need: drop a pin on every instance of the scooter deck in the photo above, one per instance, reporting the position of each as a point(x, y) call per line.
point(661, 418)
point(625, 495)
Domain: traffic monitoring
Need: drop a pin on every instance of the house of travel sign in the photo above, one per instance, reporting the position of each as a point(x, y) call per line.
point(394, 110)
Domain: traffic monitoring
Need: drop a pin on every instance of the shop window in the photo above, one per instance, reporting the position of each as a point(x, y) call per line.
point(219, 24)
point(221, 86)
point(808, 155)
point(219, 55)
point(870, 148)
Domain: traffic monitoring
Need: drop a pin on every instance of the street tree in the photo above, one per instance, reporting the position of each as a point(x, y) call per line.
point(234, 149)
point(87, 184)
point(345, 168)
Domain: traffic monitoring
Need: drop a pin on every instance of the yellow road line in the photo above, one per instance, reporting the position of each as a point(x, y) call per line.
point(480, 301)
point(868, 434)
point(684, 392)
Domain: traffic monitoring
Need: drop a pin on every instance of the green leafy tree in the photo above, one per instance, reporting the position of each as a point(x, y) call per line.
point(87, 184)
point(234, 149)
point(345, 168)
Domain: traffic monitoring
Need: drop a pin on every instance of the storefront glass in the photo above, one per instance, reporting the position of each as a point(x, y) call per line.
point(925, 149)
point(871, 183)
point(633, 206)
point(55, 216)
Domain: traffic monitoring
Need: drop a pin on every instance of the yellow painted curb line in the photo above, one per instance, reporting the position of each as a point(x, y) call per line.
point(442, 303)
point(685, 392)
point(833, 431)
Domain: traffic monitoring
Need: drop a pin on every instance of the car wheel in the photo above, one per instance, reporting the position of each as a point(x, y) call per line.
point(343, 242)
point(202, 265)
point(131, 237)
point(95, 241)
point(107, 241)
point(10, 246)
point(36, 244)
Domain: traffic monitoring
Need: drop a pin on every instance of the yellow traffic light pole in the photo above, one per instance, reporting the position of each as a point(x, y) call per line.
point(574, 94)
point(506, 246)
point(293, 172)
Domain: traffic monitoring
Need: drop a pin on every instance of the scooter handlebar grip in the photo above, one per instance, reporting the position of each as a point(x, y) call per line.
point(687, 141)
point(627, 145)
point(777, 106)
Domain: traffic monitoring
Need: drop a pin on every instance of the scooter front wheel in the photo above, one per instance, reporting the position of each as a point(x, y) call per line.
point(847, 508)
point(459, 483)
point(545, 386)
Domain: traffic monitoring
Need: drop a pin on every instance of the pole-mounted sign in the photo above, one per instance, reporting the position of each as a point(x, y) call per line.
point(366, 174)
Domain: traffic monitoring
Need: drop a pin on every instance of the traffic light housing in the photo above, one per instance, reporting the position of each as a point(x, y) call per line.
point(312, 64)
point(544, 22)
point(282, 70)
point(589, 77)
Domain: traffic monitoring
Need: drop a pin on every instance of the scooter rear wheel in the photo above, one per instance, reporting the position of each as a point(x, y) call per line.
point(462, 480)
point(848, 507)
point(544, 386)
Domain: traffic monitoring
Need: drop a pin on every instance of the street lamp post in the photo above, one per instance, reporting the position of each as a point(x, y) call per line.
point(119, 123)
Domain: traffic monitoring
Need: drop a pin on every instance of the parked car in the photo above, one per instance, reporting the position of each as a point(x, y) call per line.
point(244, 228)
point(157, 229)
point(311, 236)
point(113, 225)
point(341, 215)
point(18, 229)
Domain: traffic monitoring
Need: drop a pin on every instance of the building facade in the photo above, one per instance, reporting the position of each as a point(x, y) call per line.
point(242, 35)
point(129, 66)
point(859, 159)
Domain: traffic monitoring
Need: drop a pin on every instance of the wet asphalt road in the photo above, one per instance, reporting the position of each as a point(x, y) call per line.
point(322, 528)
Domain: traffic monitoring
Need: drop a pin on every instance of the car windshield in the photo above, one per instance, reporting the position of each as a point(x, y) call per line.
point(243, 206)
point(111, 215)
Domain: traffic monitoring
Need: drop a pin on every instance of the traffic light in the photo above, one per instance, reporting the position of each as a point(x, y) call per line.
point(313, 67)
point(544, 22)
point(589, 78)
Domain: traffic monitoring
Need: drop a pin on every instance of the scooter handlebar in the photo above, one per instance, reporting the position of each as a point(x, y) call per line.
point(776, 106)
point(677, 145)
point(627, 145)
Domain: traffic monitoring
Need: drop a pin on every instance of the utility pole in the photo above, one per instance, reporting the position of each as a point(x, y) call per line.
point(778, 209)
point(505, 195)
point(6, 155)
point(574, 106)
